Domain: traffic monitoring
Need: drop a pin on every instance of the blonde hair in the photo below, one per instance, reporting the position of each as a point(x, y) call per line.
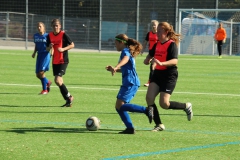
point(171, 33)
point(134, 46)
point(42, 25)
point(154, 21)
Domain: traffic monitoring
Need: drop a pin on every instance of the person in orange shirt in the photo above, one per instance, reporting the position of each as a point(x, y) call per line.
point(220, 37)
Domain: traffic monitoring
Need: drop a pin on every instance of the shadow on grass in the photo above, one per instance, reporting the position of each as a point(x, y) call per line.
point(195, 115)
point(60, 112)
point(61, 130)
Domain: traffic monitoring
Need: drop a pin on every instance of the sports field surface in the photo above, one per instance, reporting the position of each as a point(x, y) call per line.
point(34, 126)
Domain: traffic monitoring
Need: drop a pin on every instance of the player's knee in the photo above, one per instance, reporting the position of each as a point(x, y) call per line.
point(57, 82)
point(164, 105)
point(149, 99)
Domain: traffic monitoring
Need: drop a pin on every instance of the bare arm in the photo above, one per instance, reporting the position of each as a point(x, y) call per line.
point(117, 68)
point(147, 60)
point(66, 48)
point(50, 47)
point(34, 52)
point(172, 62)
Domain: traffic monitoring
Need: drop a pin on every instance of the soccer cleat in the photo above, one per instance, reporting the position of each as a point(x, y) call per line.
point(150, 114)
point(189, 111)
point(128, 131)
point(65, 104)
point(44, 92)
point(220, 57)
point(48, 85)
point(69, 102)
point(159, 127)
point(147, 84)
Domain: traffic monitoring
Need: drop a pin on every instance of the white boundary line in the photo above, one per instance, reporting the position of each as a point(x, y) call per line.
point(116, 89)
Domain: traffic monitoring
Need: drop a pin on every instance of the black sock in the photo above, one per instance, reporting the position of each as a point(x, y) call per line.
point(177, 105)
point(64, 91)
point(156, 117)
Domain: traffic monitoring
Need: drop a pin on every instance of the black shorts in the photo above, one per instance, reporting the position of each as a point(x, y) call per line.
point(165, 79)
point(59, 69)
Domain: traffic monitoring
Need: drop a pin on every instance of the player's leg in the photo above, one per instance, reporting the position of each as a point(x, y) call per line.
point(149, 77)
point(219, 46)
point(41, 76)
point(45, 67)
point(59, 71)
point(128, 95)
point(125, 118)
point(40, 73)
point(165, 95)
point(166, 104)
point(153, 91)
point(124, 96)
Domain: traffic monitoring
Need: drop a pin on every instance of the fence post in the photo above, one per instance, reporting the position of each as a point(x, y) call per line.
point(137, 25)
point(100, 27)
point(230, 36)
point(7, 26)
point(26, 41)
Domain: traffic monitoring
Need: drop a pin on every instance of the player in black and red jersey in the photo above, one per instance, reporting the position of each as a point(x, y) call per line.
point(60, 42)
point(151, 39)
point(163, 81)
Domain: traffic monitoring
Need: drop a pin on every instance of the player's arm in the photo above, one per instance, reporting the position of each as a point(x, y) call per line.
point(147, 60)
point(150, 55)
point(172, 62)
point(225, 34)
point(66, 48)
point(172, 56)
point(34, 52)
point(69, 42)
point(117, 68)
point(51, 52)
point(49, 44)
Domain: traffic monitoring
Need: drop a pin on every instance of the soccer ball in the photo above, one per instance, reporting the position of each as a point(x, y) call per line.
point(92, 123)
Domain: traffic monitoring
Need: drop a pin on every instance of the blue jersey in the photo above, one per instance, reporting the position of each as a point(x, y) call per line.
point(43, 56)
point(129, 74)
point(41, 41)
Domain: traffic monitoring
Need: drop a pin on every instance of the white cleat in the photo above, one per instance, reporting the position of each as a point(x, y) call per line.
point(189, 111)
point(159, 127)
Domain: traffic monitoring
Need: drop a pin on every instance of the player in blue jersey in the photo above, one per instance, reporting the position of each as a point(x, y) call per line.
point(129, 48)
point(43, 57)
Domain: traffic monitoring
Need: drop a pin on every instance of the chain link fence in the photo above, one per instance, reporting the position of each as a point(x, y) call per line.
point(91, 24)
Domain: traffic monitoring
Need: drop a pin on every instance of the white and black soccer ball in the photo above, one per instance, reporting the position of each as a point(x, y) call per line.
point(92, 123)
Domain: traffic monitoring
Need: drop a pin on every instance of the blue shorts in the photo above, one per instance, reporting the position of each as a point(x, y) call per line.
point(42, 63)
point(126, 93)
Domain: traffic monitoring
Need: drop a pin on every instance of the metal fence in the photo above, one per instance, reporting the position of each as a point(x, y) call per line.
point(91, 24)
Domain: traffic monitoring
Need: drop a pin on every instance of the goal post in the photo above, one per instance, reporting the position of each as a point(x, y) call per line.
point(198, 27)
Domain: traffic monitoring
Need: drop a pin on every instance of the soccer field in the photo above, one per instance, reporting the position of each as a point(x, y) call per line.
point(36, 127)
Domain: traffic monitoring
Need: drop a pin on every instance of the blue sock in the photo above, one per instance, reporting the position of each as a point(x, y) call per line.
point(44, 83)
point(133, 108)
point(125, 118)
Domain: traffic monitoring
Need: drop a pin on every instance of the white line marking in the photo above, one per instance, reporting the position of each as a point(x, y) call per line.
point(116, 89)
